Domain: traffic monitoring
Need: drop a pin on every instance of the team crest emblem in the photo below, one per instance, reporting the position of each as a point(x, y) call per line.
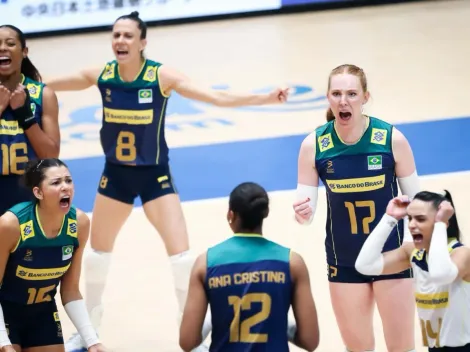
point(325, 142)
point(379, 136)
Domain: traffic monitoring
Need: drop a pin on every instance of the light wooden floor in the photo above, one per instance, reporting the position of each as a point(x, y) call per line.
point(417, 60)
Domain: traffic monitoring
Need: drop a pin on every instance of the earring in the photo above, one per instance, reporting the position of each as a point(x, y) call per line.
point(230, 221)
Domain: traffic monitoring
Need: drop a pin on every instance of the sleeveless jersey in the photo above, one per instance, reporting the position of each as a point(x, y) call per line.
point(37, 264)
point(443, 311)
point(248, 285)
point(133, 128)
point(15, 147)
point(359, 180)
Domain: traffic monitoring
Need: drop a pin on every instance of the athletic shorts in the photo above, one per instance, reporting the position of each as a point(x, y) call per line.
point(33, 325)
point(348, 274)
point(125, 183)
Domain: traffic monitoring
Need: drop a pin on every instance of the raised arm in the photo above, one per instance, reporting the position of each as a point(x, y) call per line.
point(307, 182)
point(46, 141)
point(445, 267)
point(69, 286)
point(195, 309)
point(79, 81)
point(9, 237)
point(307, 335)
point(171, 79)
point(371, 260)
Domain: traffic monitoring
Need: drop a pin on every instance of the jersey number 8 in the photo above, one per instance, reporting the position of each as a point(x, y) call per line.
point(125, 148)
point(240, 331)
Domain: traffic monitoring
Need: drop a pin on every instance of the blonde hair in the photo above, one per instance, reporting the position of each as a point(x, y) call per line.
point(352, 70)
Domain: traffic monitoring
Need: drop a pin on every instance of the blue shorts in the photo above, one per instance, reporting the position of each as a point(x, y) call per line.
point(12, 192)
point(349, 275)
point(125, 183)
point(33, 325)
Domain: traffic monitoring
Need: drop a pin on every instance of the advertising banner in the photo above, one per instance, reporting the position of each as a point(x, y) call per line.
point(304, 2)
point(35, 16)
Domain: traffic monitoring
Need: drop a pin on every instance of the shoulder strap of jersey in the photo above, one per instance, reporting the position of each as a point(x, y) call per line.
point(34, 88)
point(324, 138)
point(108, 72)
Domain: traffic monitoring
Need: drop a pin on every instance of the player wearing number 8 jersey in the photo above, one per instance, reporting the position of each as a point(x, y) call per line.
point(135, 92)
point(29, 125)
point(361, 160)
point(250, 284)
point(41, 246)
point(441, 266)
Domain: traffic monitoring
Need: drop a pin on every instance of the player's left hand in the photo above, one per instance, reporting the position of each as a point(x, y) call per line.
point(397, 207)
point(18, 97)
point(444, 212)
point(97, 348)
point(278, 96)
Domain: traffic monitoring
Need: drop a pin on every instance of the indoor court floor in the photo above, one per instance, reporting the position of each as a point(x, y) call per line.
point(416, 57)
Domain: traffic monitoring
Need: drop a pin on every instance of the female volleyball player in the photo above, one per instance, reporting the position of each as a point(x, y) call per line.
point(246, 271)
point(359, 159)
point(41, 246)
point(441, 266)
point(29, 116)
point(135, 91)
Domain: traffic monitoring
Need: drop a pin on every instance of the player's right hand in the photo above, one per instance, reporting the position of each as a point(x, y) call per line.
point(303, 210)
point(397, 207)
point(4, 98)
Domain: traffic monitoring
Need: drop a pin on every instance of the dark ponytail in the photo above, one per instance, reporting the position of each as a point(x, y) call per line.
point(27, 67)
point(329, 115)
point(453, 230)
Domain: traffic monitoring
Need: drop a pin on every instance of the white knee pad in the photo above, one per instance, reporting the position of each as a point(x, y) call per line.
point(181, 265)
point(97, 266)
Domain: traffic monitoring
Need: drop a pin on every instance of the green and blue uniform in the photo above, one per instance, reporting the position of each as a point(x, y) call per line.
point(360, 181)
point(16, 150)
point(249, 289)
point(133, 135)
point(33, 272)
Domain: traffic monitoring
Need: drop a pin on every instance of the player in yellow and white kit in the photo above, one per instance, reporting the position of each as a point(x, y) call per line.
point(440, 263)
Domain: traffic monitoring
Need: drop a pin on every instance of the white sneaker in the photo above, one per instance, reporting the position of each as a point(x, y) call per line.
point(75, 344)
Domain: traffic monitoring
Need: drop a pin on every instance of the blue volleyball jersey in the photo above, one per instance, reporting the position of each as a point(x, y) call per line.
point(133, 128)
point(35, 267)
point(249, 289)
point(359, 180)
point(14, 144)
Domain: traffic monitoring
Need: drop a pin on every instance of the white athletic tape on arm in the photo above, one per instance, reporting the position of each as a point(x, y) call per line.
point(370, 260)
point(303, 192)
point(76, 310)
point(442, 269)
point(4, 339)
point(409, 186)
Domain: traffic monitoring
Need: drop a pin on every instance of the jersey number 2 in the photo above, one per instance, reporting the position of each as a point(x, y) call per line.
point(11, 159)
point(40, 295)
point(365, 221)
point(125, 148)
point(240, 331)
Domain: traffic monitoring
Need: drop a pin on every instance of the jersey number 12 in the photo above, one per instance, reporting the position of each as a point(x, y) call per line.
point(240, 331)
